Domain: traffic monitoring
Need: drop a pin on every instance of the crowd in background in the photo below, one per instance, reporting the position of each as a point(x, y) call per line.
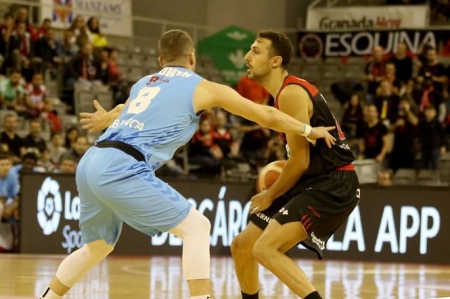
point(401, 120)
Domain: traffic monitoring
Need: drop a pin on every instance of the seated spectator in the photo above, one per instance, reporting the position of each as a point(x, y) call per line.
point(12, 92)
point(10, 138)
point(40, 32)
point(22, 16)
point(404, 127)
point(68, 47)
point(51, 116)
point(403, 64)
point(29, 164)
point(6, 30)
point(34, 139)
point(9, 204)
point(203, 151)
point(83, 67)
point(82, 35)
point(373, 135)
point(56, 147)
point(98, 39)
point(45, 161)
point(21, 50)
point(432, 139)
point(68, 165)
point(71, 135)
point(36, 95)
point(46, 49)
point(77, 149)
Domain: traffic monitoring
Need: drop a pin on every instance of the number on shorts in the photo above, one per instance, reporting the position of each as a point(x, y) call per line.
point(143, 99)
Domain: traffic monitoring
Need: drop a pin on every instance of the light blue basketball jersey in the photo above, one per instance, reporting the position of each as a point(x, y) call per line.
point(160, 116)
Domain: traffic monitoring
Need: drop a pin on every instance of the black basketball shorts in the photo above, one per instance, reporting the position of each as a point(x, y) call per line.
point(322, 204)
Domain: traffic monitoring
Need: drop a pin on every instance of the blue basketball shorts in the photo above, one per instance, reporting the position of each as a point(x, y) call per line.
point(115, 188)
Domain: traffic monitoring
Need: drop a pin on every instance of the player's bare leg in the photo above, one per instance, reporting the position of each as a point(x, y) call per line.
point(74, 267)
point(246, 266)
point(269, 251)
point(194, 231)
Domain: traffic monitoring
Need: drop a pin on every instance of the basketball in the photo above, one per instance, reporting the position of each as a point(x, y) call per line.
point(269, 174)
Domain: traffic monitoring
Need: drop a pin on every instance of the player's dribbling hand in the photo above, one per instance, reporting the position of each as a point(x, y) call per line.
point(259, 202)
point(96, 121)
point(323, 132)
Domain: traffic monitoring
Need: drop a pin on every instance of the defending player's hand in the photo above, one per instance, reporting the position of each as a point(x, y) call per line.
point(322, 132)
point(259, 202)
point(96, 121)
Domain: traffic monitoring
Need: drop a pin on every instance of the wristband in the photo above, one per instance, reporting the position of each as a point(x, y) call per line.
point(307, 132)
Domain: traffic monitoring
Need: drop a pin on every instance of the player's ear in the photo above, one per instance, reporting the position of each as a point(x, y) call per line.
point(192, 58)
point(276, 61)
point(160, 61)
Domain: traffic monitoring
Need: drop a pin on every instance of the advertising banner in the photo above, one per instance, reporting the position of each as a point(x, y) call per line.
point(227, 48)
point(390, 224)
point(364, 18)
point(114, 15)
point(318, 44)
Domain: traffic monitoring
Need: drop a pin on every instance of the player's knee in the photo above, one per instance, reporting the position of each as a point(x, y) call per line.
point(98, 250)
point(261, 252)
point(239, 246)
point(202, 225)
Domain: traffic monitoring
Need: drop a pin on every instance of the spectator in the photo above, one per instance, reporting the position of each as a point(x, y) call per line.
point(427, 96)
point(51, 116)
point(29, 164)
point(6, 30)
point(83, 67)
point(34, 139)
point(10, 138)
point(433, 69)
point(46, 24)
point(68, 47)
point(403, 63)
point(82, 35)
point(46, 49)
point(12, 92)
point(404, 127)
point(56, 148)
point(45, 161)
point(386, 101)
point(9, 204)
point(252, 90)
point(98, 39)
point(72, 134)
point(352, 118)
point(21, 49)
point(375, 72)
point(203, 151)
point(432, 139)
point(78, 148)
point(67, 166)
point(22, 17)
point(36, 95)
point(390, 76)
point(373, 134)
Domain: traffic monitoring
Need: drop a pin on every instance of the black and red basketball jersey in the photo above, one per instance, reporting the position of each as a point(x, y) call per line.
point(322, 158)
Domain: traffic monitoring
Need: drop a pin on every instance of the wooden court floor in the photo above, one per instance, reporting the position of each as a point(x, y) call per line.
point(25, 276)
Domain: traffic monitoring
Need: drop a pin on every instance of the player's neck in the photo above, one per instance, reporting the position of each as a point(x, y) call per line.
point(273, 82)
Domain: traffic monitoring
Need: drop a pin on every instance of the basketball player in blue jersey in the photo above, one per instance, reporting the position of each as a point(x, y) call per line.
point(116, 178)
point(314, 194)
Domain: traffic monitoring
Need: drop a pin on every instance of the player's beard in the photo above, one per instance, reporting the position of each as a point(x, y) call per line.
point(258, 75)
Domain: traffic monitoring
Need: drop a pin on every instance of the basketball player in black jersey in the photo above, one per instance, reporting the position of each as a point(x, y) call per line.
point(316, 191)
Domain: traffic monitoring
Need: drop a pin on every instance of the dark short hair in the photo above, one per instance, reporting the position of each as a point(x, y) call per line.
point(281, 46)
point(175, 44)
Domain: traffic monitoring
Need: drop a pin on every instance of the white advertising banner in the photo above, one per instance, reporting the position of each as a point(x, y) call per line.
point(114, 15)
point(366, 18)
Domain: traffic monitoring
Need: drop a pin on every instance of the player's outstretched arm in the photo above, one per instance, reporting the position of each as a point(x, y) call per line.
point(100, 119)
point(269, 117)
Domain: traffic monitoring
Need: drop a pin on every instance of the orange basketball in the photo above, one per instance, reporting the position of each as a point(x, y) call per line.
point(269, 174)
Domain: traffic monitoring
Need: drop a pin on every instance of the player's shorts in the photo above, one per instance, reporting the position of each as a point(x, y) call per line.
point(322, 204)
point(114, 188)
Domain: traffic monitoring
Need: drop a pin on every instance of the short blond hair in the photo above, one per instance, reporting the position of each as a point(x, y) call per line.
point(175, 45)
